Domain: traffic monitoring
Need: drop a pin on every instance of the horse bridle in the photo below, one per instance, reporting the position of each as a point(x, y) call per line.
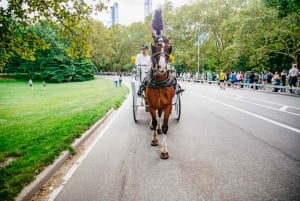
point(161, 53)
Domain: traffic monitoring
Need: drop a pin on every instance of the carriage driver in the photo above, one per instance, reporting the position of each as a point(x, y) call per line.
point(143, 63)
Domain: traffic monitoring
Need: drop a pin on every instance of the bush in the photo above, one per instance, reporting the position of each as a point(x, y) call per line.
point(84, 70)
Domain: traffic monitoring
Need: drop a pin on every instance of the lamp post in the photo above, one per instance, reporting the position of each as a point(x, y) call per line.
point(200, 39)
point(198, 60)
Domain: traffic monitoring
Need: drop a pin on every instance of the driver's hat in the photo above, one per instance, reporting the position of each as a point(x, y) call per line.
point(144, 47)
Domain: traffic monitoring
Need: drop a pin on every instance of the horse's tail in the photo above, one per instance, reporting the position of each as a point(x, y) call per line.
point(157, 22)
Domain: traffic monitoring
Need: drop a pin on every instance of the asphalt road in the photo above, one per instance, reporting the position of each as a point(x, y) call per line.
point(228, 145)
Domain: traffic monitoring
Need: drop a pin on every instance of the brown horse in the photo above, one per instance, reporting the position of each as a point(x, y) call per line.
point(160, 90)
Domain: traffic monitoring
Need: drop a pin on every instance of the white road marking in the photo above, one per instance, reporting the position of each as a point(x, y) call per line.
point(74, 167)
point(284, 107)
point(297, 108)
point(272, 108)
point(271, 102)
point(249, 113)
point(238, 97)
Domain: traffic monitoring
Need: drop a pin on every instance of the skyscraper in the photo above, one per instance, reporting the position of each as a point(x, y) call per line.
point(114, 11)
point(147, 7)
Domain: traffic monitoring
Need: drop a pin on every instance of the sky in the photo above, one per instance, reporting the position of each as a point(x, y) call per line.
point(132, 10)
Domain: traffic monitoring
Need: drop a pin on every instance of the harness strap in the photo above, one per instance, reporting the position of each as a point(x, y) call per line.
point(170, 81)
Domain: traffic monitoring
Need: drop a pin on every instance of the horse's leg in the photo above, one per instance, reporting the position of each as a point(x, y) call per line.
point(164, 147)
point(159, 122)
point(153, 127)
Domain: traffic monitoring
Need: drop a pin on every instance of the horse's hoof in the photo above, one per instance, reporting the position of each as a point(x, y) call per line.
point(154, 143)
point(164, 155)
point(159, 131)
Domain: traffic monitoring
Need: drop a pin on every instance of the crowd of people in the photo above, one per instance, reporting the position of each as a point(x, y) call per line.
point(279, 80)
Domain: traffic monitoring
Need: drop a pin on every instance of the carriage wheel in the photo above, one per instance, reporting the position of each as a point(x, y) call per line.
point(178, 107)
point(134, 107)
point(134, 101)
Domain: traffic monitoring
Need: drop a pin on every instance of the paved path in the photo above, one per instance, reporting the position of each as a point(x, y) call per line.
point(228, 145)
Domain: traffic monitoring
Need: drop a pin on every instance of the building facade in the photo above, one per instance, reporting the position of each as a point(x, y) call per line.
point(147, 7)
point(114, 11)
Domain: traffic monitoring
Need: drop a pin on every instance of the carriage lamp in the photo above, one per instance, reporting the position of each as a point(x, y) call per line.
point(133, 58)
point(171, 58)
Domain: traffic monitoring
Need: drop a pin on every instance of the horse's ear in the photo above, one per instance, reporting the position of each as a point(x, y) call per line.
point(153, 36)
point(152, 48)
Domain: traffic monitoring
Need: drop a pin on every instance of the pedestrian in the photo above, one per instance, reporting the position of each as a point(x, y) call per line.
point(222, 80)
point(293, 74)
point(116, 79)
point(233, 79)
point(30, 84)
point(283, 80)
point(44, 84)
point(247, 79)
point(251, 79)
point(242, 79)
point(238, 78)
point(276, 81)
point(120, 79)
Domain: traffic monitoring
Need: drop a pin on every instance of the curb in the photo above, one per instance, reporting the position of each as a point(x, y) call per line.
point(28, 191)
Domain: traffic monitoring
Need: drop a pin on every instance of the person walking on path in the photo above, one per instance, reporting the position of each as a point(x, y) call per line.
point(120, 79)
point(116, 79)
point(44, 84)
point(30, 84)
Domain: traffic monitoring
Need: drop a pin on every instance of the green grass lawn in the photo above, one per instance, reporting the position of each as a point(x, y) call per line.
point(37, 125)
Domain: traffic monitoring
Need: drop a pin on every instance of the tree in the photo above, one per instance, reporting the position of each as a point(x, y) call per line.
point(58, 69)
point(264, 40)
point(284, 7)
point(84, 70)
point(100, 47)
point(19, 14)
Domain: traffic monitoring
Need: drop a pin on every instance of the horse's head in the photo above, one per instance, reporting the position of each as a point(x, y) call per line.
point(161, 48)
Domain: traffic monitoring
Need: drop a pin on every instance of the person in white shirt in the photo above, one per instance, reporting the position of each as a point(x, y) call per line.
point(30, 84)
point(293, 74)
point(143, 64)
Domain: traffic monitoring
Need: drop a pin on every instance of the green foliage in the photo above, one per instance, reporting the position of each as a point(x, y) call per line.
point(61, 69)
point(58, 69)
point(284, 7)
point(15, 39)
point(71, 149)
point(84, 70)
point(53, 64)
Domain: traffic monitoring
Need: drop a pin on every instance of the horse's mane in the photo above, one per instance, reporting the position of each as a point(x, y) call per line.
point(157, 22)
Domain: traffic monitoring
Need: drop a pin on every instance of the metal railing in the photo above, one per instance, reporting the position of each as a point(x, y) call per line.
point(254, 86)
